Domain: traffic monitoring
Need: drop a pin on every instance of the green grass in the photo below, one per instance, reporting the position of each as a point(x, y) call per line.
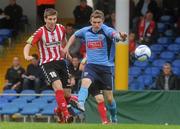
point(12, 125)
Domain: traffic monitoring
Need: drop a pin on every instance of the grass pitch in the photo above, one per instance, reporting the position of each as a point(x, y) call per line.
point(13, 125)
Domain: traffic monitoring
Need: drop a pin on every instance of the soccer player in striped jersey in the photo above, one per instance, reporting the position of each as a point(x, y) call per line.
point(50, 40)
point(99, 63)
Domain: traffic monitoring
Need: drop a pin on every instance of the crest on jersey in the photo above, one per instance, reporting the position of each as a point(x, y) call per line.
point(85, 73)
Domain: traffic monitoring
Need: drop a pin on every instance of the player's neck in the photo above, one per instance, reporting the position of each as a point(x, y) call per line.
point(50, 28)
point(95, 30)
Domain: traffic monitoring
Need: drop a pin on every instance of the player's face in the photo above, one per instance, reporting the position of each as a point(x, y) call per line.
point(96, 23)
point(51, 22)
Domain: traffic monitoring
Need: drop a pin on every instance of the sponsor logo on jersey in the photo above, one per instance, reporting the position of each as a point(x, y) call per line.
point(94, 44)
point(53, 44)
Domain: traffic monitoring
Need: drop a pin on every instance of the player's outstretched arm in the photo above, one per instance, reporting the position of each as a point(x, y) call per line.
point(69, 43)
point(27, 51)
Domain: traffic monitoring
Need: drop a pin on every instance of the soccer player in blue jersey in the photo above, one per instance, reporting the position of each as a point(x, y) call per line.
point(99, 64)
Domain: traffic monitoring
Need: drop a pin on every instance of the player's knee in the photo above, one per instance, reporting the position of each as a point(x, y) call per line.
point(110, 99)
point(86, 82)
point(57, 85)
point(67, 93)
point(99, 98)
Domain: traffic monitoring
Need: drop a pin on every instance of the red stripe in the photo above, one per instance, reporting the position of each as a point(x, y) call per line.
point(47, 41)
point(43, 51)
point(59, 38)
point(54, 49)
point(63, 31)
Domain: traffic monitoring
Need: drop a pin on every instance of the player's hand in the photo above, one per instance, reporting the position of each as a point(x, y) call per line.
point(28, 58)
point(65, 50)
point(123, 35)
point(68, 56)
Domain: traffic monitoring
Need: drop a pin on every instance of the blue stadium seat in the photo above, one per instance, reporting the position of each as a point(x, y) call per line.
point(3, 102)
point(146, 80)
point(47, 92)
point(9, 109)
point(134, 71)
point(6, 33)
point(136, 85)
point(142, 65)
point(166, 19)
point(174, 48)
point(167, 55)
point(130, 79)
point(29, 97)
point(153, 71)
point(40, 100)
point(9, 97)
point(177, 40)
point(21, 102)
point(47, 97)
point(32, 108)
point(169, 33)
point(153, 57)
point(158, 63)
point(48, 109)
point(176, 71)
point(156, 48)
point(161, 27)
point(164, 41)
point(176, 63)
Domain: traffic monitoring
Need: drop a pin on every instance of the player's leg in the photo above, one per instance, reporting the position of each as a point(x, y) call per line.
point(88, 77)
point(62, 105)
point(50, 72)
point(96, 92)
point(111, 105)
point(101, 108)
point(107, 79)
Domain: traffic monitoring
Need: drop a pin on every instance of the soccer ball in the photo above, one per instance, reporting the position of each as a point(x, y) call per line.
point(142, 53)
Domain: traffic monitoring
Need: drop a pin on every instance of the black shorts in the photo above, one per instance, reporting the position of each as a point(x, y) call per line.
point(56, 70)
point(97, 88)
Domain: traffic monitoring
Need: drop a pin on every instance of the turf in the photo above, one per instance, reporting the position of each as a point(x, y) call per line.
point(12, 125)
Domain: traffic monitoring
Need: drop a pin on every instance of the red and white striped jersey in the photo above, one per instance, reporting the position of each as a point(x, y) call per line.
point(49, 43)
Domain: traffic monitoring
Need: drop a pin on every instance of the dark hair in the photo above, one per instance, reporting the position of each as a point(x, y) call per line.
point(35, 56)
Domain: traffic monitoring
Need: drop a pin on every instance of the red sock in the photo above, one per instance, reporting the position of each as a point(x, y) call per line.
point(62, 105)
point(102, 111)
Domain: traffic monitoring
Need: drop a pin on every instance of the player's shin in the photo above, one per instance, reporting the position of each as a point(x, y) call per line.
point(82, 95)
point(113, 111)
point(103, 112)
point(62, 102)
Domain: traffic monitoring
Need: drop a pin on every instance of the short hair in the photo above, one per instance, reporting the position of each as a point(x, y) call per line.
point(50, 12)
point(97, 14)
point(167, 64)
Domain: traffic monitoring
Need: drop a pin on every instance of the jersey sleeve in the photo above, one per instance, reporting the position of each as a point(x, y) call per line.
point(111, 33)
point(35, 37)
point(80, 33)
